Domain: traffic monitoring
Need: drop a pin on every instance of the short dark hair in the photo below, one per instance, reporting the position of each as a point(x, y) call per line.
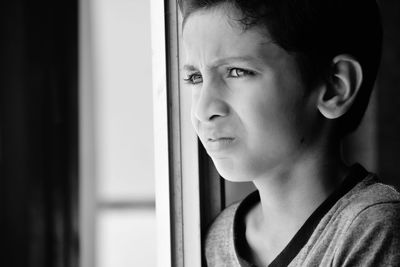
point(316, 31)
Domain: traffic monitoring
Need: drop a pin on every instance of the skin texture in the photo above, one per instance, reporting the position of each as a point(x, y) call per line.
point(251, 111)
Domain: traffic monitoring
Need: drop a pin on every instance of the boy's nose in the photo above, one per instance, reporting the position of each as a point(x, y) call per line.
point(210, 104)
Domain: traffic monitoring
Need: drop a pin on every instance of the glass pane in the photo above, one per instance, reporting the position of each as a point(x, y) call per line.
point(126, 238)
point(123, 99)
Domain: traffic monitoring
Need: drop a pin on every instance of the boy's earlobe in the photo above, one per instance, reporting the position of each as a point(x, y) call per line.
point(344, 82)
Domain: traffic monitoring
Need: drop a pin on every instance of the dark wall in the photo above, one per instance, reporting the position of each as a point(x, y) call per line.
point(38, 133)
point(388, 96)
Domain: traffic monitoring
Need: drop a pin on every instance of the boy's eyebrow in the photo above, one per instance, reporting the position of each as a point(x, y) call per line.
point(188, 67)
point(223, 61)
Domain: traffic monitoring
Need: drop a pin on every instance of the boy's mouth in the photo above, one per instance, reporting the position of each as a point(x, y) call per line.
point(220, 139)
point(218, 144)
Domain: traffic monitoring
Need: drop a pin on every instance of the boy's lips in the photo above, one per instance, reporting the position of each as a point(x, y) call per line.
point(219, 139)
point(215, 134)
point(218, 144)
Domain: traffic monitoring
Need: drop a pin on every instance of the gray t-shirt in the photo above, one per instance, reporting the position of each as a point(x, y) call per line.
point(359, 228)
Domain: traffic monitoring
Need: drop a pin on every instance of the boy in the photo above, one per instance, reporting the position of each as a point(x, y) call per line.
point(276, 84)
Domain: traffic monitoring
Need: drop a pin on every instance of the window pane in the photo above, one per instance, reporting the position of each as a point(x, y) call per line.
point(123, 100)
point(126, 238)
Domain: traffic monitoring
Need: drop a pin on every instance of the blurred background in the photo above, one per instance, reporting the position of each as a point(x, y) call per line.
point(76, 131)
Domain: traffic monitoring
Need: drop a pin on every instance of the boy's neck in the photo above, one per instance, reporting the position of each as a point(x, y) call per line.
point(288, 198)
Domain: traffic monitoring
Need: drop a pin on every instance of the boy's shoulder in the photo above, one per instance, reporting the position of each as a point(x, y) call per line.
point(368, 226)
point(370, 194)
point(223, 233)
point(361, 229)
point(225, 219)
point(369, 204)
point(219, 244)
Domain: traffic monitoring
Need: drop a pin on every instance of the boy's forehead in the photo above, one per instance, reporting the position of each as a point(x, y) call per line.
point(209, 40)
point(209, 35)
point(204, 22)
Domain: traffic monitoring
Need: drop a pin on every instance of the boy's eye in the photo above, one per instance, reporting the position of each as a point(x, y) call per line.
point(194, 78)
point(237, 73)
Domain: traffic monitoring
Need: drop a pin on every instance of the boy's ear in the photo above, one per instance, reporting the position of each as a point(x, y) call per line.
point(341, 88)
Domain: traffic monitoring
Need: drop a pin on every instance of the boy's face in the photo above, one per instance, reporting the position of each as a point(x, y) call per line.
point(249, 106)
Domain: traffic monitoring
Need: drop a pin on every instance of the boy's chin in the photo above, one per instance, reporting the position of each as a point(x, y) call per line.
point(230, 171)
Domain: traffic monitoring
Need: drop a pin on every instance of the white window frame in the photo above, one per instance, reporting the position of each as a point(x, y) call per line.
point(161, 155)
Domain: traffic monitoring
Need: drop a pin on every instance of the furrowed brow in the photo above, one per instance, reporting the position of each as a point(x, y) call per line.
point(188, 67)
point(228, 60)
point(223, 61)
